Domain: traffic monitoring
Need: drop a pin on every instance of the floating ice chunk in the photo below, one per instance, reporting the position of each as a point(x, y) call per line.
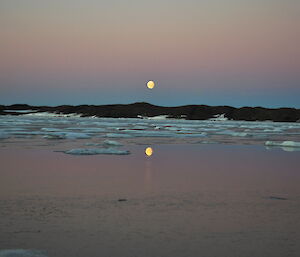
point(208, 142)
point(172, 128)
point(191, 134)
point(73, 135)
point(273, 130)
point(112, 143)
point(159, 117)
point(55, 136)
point(21, 253)
point(93, 130)
point(67, 135)
point(51, 129)
point(27, 133)
point(139, 127)
point(233, 133)
point(283, 144)
point(149, 133)
point(116, 135)
point(94, 151)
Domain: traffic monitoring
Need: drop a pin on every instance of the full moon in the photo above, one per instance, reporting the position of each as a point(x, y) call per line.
point(150, 84)
point(148, 151)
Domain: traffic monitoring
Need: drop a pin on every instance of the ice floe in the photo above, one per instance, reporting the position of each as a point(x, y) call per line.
point(291, 144)
point(95, 151)
point(159, 117)
point(112, 143)
point(66, 135)
point(56, 126)
point(21, 253)
point(232, 133)
point(116, 135)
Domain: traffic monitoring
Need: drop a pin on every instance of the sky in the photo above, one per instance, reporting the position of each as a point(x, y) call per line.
point(216, 52)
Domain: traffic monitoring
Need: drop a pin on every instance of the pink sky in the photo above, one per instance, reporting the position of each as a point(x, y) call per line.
point(112, 46)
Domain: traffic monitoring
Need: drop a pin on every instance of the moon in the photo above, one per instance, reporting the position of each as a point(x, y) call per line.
point(150, 84)
point(149, 151)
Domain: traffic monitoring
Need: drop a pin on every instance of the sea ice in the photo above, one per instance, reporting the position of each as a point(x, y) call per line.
point(51, 129)
point(191, 134)
point(112, 143)
point(94, 151)
point(283, 144)
point(116, 135)
point(233, 133)
point(21, 253)
point(67, 135)
point(159, 117)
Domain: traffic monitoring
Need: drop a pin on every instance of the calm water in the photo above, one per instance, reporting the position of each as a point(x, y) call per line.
point(184, 200)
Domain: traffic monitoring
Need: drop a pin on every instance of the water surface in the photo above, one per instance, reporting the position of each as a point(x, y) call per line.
point(184, 200)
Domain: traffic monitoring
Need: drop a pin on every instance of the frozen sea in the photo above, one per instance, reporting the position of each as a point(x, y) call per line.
point(74, 186)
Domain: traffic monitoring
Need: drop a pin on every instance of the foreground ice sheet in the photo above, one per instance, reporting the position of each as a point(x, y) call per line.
point(21, 253)
point(60, 128)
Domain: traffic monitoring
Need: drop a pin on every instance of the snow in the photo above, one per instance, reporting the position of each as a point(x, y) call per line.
point(159, 117)
point(219, 117)
point(51, 114)
point(95, 151)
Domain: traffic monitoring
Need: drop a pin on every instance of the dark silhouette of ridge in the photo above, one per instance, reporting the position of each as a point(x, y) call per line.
point(190, 112)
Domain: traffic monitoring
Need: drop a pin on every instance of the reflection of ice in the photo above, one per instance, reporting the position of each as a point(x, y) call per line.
point(290, 149)
point(21, 253)
point(290, 144)
point(287, 146)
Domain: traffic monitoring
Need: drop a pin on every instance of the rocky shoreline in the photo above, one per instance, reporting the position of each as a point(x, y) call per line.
point(136, 110)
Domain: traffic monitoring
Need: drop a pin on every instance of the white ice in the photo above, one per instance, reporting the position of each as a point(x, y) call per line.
point(21, 253)
point(112, 143)
point(67, 135)
point(291, 144)
point(94, 151)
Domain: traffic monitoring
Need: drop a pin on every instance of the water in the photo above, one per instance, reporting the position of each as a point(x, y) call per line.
point(186, 199)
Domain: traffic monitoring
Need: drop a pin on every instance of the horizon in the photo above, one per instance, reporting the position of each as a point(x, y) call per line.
point(131, 103)
point(235, 53)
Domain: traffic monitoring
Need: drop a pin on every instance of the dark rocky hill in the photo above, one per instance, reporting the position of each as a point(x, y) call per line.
point(191, 112)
